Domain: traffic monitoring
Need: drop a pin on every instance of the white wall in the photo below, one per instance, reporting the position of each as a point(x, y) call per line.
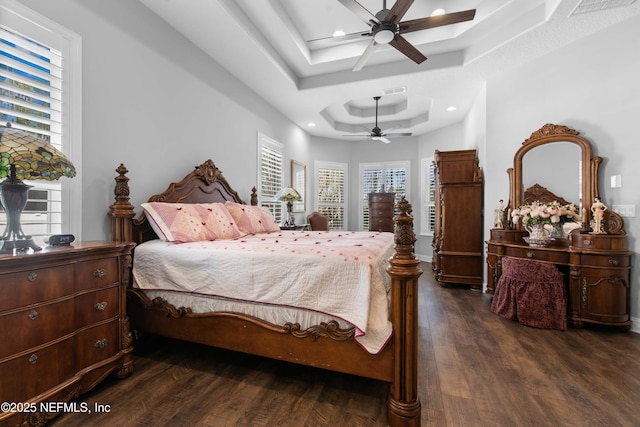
point(158, 104)
point(591, 86)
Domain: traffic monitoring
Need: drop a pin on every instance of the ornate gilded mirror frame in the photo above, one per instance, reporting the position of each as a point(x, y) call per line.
point(548, 134)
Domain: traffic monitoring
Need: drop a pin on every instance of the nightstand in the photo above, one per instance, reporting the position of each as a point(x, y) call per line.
point(63, 324)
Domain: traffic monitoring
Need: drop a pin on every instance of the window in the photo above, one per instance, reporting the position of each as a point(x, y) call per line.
point(427, 196)
point(331, 194)
point(381, 177)
point(40, 94)
point(271, 179)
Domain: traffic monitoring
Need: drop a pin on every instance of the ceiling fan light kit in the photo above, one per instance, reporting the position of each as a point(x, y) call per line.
point(386, 28)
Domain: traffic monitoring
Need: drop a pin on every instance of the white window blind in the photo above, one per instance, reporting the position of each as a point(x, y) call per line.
point(331, 194)
point(427, 196)
point(31, 99)
point(271, 176)
point(381, 177)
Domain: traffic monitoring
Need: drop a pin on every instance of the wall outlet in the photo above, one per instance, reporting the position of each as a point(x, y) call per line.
point(628, 211)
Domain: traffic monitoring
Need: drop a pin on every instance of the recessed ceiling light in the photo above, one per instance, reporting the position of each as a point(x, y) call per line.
point(338, 33)
point(438, 12)
point(452, 108)
point(311, 124)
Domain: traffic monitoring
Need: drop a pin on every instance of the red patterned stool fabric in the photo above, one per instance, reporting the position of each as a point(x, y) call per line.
point(532, 293)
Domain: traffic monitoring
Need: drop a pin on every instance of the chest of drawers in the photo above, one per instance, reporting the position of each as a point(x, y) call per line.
point(63, 324)
point(381, 208)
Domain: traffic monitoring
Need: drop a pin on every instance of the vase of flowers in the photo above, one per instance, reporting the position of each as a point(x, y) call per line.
point(534, 216)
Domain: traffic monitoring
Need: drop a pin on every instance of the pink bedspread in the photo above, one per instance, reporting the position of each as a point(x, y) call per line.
point(338, 273)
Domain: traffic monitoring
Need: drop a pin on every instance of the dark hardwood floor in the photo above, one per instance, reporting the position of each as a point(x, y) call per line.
point(476, 369)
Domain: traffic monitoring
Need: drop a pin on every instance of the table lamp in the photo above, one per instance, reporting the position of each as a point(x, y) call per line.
point(288, 195)
point(24, 156)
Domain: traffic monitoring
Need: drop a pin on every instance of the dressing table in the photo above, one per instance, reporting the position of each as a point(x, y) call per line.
point(596, 266)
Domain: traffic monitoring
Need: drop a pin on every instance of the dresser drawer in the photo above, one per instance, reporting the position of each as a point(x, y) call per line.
point(96, 306)
point(557, 257)
point(97, 343)
point(608, 260)
point(27, 375)
point(599, 241)
point(35, 325)
point(96, 273)
point(33, 286)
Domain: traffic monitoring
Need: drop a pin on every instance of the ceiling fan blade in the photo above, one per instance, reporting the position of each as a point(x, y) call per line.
point(360, 11)
point(398, 10)
point(365, 55)
point(407, 49)
point(436, 21)
point(392, 135)
point(332, 41)
point(385, 140)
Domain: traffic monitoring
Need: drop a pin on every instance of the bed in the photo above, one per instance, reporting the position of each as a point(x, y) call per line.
point(336, 334)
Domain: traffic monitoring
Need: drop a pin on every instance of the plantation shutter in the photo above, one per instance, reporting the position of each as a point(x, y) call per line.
point(271, 178)
point(331, 183)
point(31, 100)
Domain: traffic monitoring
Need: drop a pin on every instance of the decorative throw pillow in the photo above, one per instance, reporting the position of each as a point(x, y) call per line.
point(252, 219)
point(191, 222)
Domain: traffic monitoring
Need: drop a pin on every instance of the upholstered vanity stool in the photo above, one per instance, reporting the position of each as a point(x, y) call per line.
point(531, 292)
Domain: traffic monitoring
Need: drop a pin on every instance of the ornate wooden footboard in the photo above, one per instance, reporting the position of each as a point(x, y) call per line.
point(325, 345)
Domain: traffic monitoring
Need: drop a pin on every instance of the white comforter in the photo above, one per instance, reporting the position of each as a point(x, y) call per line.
point(341, 274)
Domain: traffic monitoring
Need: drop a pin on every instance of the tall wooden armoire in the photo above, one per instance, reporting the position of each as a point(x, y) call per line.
point(458, 235)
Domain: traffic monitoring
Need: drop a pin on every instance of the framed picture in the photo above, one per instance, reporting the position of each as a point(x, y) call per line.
point(299, 183)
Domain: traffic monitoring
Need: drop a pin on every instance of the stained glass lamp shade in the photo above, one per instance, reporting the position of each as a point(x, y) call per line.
point(288, 195)
point(24, 156)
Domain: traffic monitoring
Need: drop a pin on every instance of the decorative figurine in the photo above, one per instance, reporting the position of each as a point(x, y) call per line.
point(597, 210)
point(498, 221)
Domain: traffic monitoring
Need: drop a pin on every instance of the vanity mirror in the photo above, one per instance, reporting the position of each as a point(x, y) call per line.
point(558, 159)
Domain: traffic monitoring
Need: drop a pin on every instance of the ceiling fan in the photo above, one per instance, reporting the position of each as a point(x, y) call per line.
point(376, 134)
point(386, 28)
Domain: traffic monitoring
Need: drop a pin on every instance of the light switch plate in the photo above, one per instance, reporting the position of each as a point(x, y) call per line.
point(616, 181)
point(628, 211)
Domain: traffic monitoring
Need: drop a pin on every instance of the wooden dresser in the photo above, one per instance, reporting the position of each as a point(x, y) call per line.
point(596, 267)
point(381, 208)
point(63, 326)
point(458, 237)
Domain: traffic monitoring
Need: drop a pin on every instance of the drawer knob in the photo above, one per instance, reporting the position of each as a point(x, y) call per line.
point(33, 315)
point(33, 359)
point(531, 255)
point(102, 343)
point(101, 272)
point(588, 242)
point(32, 276)
point(100, 306)
point(613, 261)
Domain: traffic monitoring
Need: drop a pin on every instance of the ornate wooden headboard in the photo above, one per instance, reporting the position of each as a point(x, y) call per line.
point(541, 194)
point(205, 184)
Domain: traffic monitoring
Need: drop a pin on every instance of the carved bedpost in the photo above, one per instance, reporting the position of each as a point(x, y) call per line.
point(121, 211)
point(404, 404)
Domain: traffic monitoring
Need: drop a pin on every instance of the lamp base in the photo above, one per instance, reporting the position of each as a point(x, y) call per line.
point(18, 245)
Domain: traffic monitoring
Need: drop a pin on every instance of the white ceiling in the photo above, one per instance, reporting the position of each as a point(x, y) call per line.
point(263, 43)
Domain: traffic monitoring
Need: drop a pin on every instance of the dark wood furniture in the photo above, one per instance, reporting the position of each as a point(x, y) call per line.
point(381, 206)
point(318, 222)
point(597, 267)
point(320, 346)
point(63, 326)
point(457, 239)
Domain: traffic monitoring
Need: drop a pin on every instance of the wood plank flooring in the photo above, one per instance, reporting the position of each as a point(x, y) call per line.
point(476, 369)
